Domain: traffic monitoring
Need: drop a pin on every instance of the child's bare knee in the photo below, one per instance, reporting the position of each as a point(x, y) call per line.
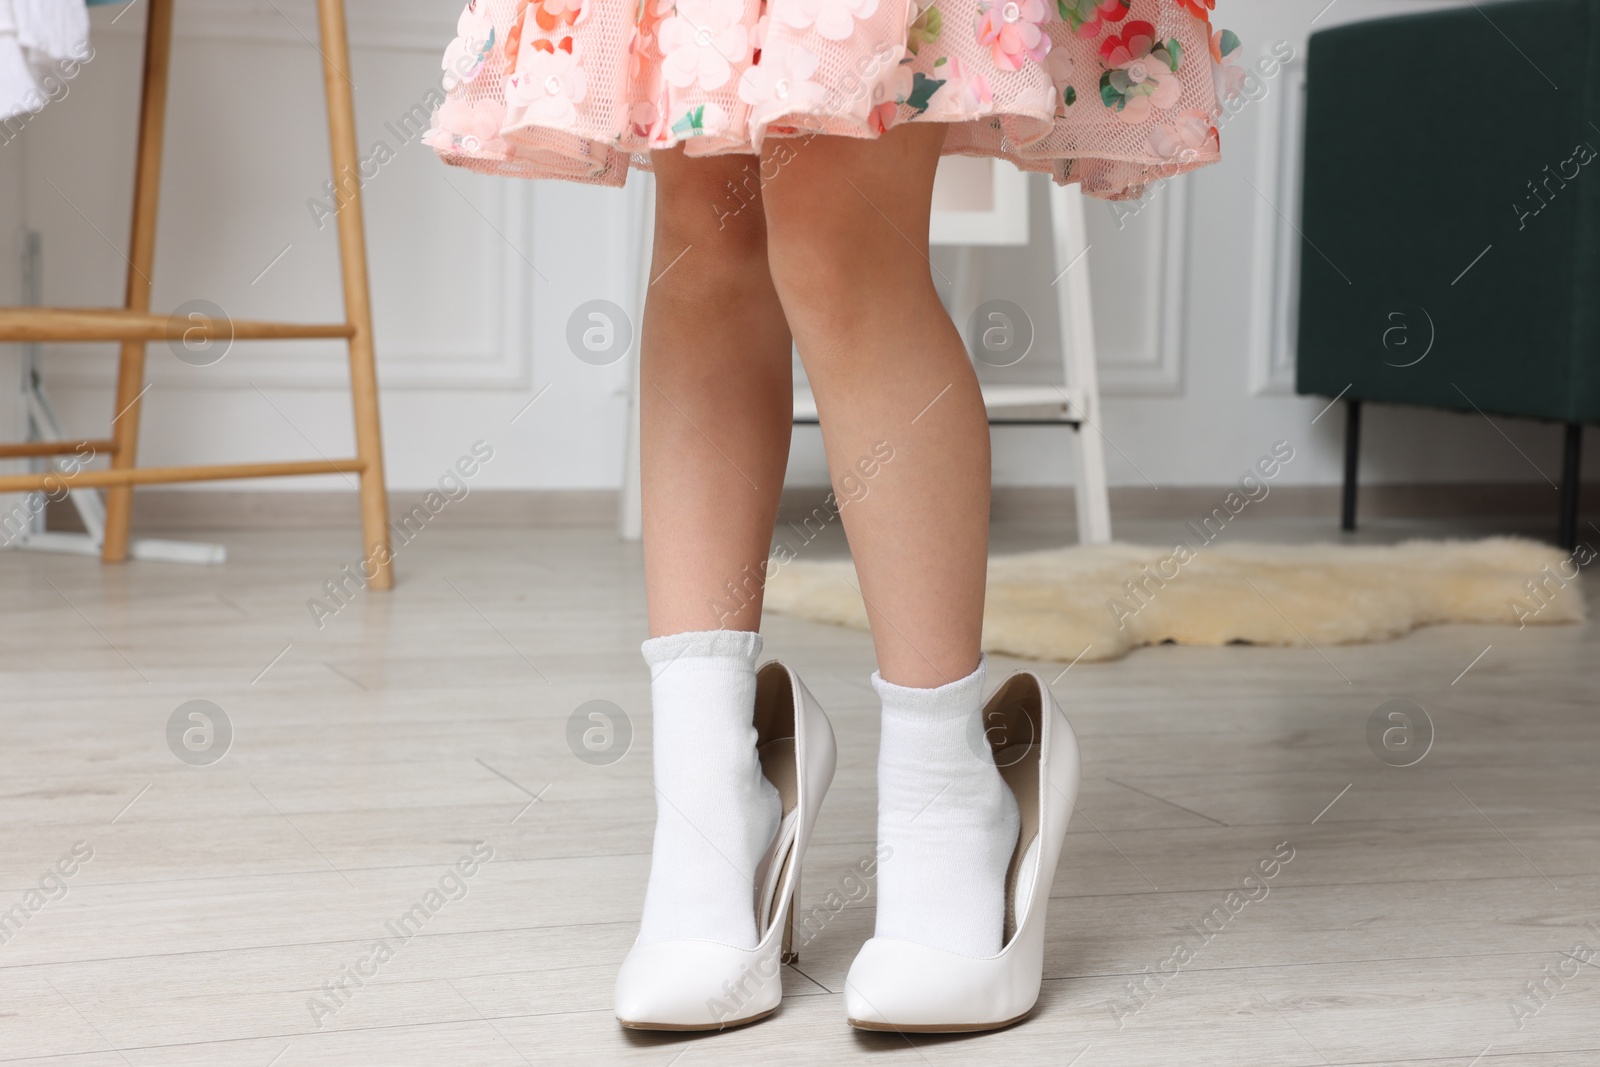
point(821, 270)
point(718, 207)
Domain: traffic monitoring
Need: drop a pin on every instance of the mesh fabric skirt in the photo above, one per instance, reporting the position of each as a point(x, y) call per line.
point(1109, 93)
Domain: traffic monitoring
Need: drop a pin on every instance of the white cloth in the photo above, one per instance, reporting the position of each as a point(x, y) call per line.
point(42, 45)
point(947, 821)
point(716, 813)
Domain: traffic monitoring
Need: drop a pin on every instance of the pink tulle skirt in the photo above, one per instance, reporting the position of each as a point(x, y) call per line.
point(1109, 93)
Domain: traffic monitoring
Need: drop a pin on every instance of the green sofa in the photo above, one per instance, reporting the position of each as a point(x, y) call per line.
point(1452, 220)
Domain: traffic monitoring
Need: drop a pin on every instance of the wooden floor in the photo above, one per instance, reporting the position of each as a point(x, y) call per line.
point(370, 755)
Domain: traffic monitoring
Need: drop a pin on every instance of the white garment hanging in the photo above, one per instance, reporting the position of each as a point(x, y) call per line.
point(42, 44)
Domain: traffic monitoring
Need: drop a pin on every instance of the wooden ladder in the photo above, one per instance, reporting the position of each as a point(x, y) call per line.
point(134, 325)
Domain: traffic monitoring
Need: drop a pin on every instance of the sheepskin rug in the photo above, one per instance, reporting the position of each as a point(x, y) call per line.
point(1112, 598)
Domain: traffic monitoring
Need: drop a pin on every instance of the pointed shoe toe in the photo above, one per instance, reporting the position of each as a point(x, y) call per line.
point(697, 985)
point(906, 986)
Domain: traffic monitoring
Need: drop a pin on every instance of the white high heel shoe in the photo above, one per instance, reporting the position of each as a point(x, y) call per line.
point(690, 984)
point(906, 986)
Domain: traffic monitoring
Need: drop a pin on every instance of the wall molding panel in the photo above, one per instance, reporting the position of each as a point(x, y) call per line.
point(1152, 365)
point(495, 353)
point(1277, 248)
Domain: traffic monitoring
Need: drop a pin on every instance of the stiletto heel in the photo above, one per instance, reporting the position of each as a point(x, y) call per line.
point(789, 953)
point(687, 984)
point(906, 986)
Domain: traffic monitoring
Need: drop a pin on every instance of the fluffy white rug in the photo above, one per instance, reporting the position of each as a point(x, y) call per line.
point(1113, 598)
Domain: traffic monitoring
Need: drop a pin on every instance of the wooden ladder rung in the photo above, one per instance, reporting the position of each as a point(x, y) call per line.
point(54, 448)
point(55, 480)
point(120, 324)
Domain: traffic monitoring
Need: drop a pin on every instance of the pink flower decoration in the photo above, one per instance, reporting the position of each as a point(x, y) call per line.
point(1105, 12)
point(1011, 29)
point(1184, 140)
point(550, 15)
point(880, 118)
point(781, 82)
point(1134, 42)
point(832, 19)
point(547, 87)
point(702, 42)
point(978, 86)
point(465, 57)
point(459, 126)
point(640, 46)
point(569, 10)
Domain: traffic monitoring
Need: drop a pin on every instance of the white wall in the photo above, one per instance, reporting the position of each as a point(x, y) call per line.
point(474, 277)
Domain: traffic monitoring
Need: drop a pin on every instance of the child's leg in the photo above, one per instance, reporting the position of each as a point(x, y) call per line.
point(716, 398)
point(715, 411)
point(847, 225)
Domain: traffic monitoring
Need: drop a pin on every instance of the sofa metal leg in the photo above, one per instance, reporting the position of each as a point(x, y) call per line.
point(1573, 453)
point(1352, 459)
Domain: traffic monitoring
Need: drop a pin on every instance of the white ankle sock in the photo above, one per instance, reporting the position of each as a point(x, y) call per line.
point(716, 814)
point(947, 822)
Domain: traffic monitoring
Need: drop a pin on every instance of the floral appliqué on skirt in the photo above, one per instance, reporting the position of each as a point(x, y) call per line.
point(1110, 93)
